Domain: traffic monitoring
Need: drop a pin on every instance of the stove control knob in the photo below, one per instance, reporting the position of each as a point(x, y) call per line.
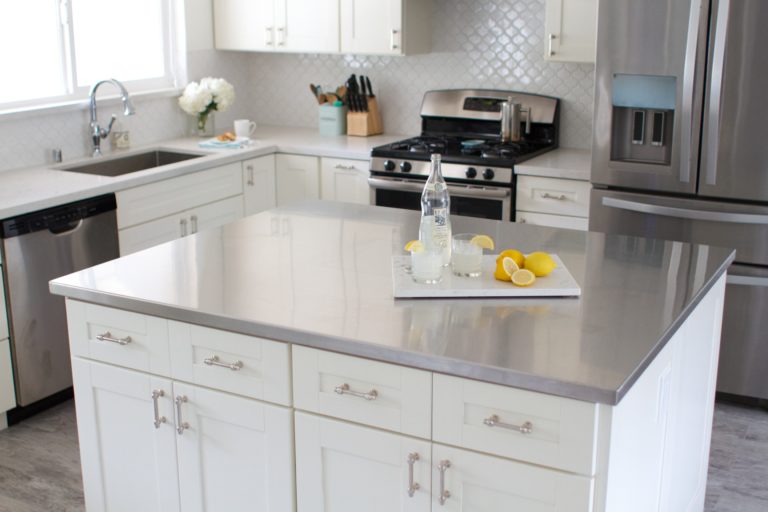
point(405, 166)
point(488, 174)
point(471, 172)
point(389, 165)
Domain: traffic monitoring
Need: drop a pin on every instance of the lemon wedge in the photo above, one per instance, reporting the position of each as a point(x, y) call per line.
point(500, 273)
point(540, 263)
point(414, 246)
point(510, 266)
point(483, 241)
point(514, 254)
point(523, 277)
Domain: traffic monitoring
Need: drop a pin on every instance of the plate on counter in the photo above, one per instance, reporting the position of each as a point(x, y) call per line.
point(560, 283)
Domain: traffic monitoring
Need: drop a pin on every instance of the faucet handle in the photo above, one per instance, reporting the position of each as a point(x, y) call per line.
point(105, 133)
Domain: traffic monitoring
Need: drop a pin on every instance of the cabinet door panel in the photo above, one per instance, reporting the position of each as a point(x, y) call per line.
point(298, 178)
point(215, 214)
point(371, 26)
point(570, 30)
point(236, 454)
point(482, 483)
point(152, 233)
point(128, 464)
point(345, 180)
point(307, 26)
point(243, 24)
point(259, 184)
point(347, 468)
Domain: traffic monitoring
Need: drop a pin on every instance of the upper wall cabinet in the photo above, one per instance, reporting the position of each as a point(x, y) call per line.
point(277, 25)
point(570, 28)
point(386, 27)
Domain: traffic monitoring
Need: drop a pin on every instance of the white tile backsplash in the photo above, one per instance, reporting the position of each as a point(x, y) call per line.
point(484, 44)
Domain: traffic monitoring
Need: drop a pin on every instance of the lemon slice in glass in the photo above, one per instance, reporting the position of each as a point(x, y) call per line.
point(483, 241)
point(414, 246)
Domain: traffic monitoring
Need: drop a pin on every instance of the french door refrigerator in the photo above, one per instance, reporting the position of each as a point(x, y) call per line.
point(680, 149)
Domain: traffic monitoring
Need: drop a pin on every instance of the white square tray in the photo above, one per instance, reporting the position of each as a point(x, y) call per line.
point(560, 283)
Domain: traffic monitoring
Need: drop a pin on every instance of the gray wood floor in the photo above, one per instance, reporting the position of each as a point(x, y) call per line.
point(40, 471)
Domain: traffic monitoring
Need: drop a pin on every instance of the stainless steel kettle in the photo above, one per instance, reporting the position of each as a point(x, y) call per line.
point(510, 120)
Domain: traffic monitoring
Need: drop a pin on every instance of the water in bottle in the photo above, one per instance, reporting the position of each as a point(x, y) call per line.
point(435, 227)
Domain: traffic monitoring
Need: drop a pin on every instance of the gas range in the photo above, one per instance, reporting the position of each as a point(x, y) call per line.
point(463, 125)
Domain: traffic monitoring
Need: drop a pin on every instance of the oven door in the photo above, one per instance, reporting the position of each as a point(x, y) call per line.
point(472, 201)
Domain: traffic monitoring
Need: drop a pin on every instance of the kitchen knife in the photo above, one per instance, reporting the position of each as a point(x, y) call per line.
point(351, 102)
point(364, 95)
point(354, 89)
point(370, 89)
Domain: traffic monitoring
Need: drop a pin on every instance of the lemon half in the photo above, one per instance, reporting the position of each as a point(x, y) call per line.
point(514, 254)
point(523, 277)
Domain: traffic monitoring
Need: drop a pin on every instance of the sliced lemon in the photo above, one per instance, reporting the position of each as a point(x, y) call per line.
point(483, 241)
point(414, 246)
point(523, 277)
point(514, 254)
point(540, 263)
point(500, 273)
point(510, 266)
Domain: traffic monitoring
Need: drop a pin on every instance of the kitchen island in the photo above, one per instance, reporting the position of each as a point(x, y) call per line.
point(265, 365)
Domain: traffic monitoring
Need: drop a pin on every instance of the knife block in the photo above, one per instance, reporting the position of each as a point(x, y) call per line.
point(364, 124)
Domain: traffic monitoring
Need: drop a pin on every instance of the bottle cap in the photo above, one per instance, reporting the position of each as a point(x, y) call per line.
point(435, 157)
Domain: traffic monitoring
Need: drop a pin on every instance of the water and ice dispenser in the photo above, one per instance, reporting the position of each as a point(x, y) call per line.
point(643, 118)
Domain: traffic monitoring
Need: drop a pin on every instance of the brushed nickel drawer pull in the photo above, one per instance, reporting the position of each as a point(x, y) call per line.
point(547, 195)
point(346, 167)
point(412, 486)
point(107, 336)
point(493, 421)
point(444, 493)
point(193, 223)
point(181, 425)
point(250, 175)
point(214, 361)
point(157, 393)
point(344, 390)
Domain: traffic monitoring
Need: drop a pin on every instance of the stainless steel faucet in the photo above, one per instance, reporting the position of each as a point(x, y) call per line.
point(97, 132)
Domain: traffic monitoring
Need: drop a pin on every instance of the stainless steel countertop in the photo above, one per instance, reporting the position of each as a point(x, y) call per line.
point(319, 274)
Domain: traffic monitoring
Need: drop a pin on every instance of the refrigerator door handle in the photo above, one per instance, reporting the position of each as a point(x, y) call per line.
point(746, 280)
point(689, 82)
point(716, 91)
point(685, 213)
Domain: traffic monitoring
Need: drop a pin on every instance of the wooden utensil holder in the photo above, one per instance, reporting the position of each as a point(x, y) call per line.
point(365, 123)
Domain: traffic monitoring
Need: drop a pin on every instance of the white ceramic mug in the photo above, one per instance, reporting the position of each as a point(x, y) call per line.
point(244, 128)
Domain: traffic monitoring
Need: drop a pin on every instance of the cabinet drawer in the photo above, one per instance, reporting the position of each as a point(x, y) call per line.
point(245, 365)
point(483, 417)
point(155, 200)
point(551, 195)
point(379, 394)
point(118, 337)
point(554, 221)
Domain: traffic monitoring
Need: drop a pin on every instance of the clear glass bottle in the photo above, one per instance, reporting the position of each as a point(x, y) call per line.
point(435, 227)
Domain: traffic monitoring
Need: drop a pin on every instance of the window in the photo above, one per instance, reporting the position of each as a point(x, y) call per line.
point(54, 50)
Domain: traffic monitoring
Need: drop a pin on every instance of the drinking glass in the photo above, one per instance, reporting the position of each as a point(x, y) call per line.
point(467, 258)
point(427, 265)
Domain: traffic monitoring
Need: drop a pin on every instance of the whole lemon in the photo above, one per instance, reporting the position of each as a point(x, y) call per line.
point(512, 253)
point(540, 263)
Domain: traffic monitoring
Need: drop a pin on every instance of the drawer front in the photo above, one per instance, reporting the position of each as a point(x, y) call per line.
point(369, 392)
point(484, 417)
point(554, 221)
point(482, 482)
point(245, 365)
point(119, 337)
point(155, 200)
point(551, 195)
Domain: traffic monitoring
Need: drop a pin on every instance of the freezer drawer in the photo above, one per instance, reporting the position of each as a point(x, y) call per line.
point(743, 366)
point(742, 227)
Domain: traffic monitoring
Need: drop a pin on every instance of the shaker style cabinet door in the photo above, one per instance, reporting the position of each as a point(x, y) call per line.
point(342, 467)
point(259, 184)
point(345, 180)
point(126, 430)
point(570, 30)
point(372, 26)
point(244, 24)
point(307, 26)
point(298, 178)
point(233, 453)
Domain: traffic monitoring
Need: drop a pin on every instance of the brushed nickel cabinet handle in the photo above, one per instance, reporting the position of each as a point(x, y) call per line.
point(181, 425)
point(193, 223)
point(444, 493)
point(346, 167)
point(547, 195)
point(493, 421)
point(107, 336)
point(183, 227)
point(214, 361)
point(249, 168)
point(268, 40)
point(282, 38)
point(157, 393)
point(344, 390)
point(412, 486)
point(551, 38)
point(392, 36)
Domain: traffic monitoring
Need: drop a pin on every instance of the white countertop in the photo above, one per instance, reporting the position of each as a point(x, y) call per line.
point(36, 188)
point(567, 163)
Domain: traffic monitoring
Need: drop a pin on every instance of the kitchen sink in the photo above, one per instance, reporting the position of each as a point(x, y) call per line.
point(130, 163)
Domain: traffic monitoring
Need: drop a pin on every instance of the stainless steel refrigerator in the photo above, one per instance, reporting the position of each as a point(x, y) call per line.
point(680, 148)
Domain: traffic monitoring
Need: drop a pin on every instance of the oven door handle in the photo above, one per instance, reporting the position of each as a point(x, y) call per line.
point(458, 190)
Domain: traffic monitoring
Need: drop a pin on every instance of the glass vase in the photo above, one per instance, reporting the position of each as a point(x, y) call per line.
point(205, 125)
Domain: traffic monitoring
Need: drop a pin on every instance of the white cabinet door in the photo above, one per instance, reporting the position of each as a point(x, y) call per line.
point(215, 214)
point(128, 460)
point(342, 467)
point(345, 180)
point(152, 233)
point(244, 24)
point(297, 177)
point(307, 26)
point(233, 453)
point(259, 184)
point(371, 26)
point(7, 390)
point(570, 28)
point(482, 483)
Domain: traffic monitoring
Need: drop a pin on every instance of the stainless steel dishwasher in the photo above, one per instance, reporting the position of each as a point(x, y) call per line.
point(38, 247)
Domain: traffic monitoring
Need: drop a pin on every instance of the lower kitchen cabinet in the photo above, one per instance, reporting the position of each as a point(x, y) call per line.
point(341, 467)
point(259, 192)
point(345, 180)
point(297, 178)
point(152, 444)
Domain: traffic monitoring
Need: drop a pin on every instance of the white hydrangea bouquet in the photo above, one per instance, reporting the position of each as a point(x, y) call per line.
point(200, 99)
